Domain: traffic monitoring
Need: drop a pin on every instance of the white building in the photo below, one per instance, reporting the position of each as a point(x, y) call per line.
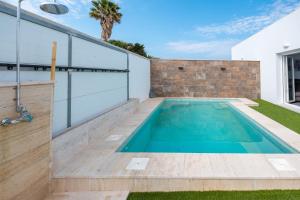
point(277, 47)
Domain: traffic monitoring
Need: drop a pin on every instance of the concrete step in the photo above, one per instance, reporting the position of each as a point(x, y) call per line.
point(103, 195)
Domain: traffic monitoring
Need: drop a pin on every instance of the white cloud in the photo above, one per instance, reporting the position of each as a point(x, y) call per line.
point(85, 2)
point(219, 48)
point(252, 24)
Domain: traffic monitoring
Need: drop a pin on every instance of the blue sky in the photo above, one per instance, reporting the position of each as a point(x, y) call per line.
point(185, 29)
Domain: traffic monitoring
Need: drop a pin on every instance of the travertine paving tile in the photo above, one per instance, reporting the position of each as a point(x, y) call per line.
point(104, 195)
point(164, 165)
point(100, 167)
point(138, 164)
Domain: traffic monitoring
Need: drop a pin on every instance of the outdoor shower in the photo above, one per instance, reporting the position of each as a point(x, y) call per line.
point(51, 7)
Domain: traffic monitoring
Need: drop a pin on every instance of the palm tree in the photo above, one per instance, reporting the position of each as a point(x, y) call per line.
point(108, 13)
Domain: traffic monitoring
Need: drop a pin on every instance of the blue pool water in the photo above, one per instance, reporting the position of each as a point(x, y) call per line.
point(201, 126)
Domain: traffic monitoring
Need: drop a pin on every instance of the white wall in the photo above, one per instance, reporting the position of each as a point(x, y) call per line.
point(92, 92)
point(35, 44)
point(267, 47)
point(88, 54)
point(139, 77)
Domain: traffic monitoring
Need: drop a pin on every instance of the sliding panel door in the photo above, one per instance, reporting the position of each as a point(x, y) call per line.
point(290, 80)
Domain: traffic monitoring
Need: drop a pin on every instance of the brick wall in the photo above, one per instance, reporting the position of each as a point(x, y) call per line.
point(190, 78)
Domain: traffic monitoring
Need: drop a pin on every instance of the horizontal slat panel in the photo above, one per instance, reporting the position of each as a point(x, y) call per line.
point(19, 182)
point(12, 167)
point(25, 147)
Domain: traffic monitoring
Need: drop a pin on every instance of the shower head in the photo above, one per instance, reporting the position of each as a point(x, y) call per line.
point(54, 8)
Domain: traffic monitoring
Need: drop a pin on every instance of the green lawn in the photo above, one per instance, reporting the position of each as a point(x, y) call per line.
point(253, 195)
point(284, 116)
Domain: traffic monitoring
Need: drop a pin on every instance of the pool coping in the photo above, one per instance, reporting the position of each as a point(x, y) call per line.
point(287, 135)
point(100, 161)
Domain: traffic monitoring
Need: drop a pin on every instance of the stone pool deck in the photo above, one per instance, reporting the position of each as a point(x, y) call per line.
point(100, 168)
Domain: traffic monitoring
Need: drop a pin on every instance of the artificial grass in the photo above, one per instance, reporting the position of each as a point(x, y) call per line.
point(282, 115)
point(218, 195)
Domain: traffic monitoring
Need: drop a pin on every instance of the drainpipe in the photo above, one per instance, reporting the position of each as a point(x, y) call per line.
point(24, 116)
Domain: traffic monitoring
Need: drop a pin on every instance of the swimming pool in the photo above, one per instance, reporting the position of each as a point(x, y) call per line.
point(201, 126)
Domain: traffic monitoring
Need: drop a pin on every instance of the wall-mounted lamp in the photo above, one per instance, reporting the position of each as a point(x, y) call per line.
point(286, 45)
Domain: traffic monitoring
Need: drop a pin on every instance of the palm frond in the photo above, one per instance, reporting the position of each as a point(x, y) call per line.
point(108, 13)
